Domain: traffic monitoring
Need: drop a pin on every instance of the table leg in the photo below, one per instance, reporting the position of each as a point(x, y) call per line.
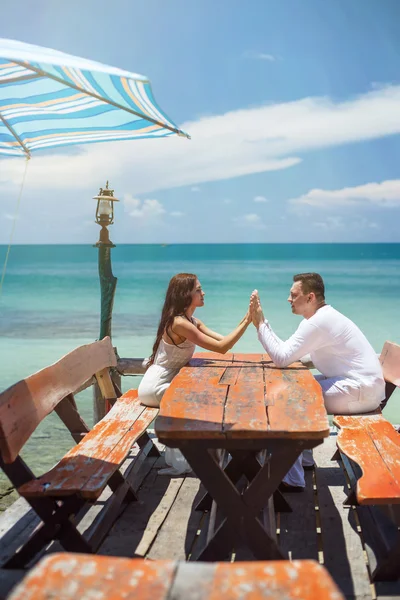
point(251, 466)
point(235, 525)
point(387, 569)
point(241, 511)
point(233, 470)
point(244, 462)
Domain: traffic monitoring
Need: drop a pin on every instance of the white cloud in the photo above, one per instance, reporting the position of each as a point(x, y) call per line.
point(260, 199)
point(250, 220)
point(259, 56)
point(364, 223)
point(240, 142)
point(146, 209)
point(331, 223)
point(384, 194)
point(130, 202)
point(339, 223)
point(176, 213)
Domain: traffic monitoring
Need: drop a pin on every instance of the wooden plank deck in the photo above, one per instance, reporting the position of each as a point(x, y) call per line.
point(163, 525)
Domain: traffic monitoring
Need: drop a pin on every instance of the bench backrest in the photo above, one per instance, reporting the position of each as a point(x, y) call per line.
point(390, 361)
point(24, 405)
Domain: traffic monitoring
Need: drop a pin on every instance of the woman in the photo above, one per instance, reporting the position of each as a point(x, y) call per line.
point(177, 336)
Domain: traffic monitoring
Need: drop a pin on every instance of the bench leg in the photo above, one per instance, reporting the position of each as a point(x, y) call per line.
point(145, 439)
point(351, 499)
point(116, 480)
point(54, 526)
point(336, 455)
point(353, 472)
point(382, 543)
point(69, 538)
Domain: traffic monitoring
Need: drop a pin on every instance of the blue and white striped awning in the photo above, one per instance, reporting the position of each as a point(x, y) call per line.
point(48, 98)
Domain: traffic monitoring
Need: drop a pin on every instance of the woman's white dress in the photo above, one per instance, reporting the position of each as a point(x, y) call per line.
point(168, 361)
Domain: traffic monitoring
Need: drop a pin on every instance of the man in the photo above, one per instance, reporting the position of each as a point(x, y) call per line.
point(351, 381)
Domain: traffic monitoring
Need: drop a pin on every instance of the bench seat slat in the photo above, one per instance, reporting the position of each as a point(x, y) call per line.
point(94, 486)
point(372, 442)
point(274, 580)
point(102, 577)
point(73, 576)
point(86, 468)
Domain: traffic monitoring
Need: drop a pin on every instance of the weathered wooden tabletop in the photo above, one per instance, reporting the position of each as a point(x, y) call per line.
point(241, 396)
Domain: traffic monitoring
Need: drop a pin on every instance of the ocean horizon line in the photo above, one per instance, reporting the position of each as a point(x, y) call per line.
point(87, 244)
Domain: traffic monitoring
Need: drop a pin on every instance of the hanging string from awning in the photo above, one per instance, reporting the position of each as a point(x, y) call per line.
point(14, 225)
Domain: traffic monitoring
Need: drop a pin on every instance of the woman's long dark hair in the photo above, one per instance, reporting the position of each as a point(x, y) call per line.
point(177, 300)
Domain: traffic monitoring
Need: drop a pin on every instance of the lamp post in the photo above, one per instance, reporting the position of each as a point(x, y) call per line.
point(108, 283)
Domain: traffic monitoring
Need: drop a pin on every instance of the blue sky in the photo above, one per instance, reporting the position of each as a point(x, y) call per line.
point(293, 107)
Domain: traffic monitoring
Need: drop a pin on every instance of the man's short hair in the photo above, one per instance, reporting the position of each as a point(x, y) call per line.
point(311, 282)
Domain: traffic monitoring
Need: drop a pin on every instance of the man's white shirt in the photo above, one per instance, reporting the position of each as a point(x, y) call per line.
point(337, 347)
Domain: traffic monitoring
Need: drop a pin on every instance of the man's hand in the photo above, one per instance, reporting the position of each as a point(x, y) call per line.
point(257, 315)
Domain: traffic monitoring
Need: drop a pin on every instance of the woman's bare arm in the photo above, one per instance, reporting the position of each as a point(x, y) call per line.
point(204, 329)
point(186, 329)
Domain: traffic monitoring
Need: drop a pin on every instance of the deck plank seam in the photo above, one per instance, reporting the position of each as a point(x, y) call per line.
point(203, 526)
point(318, 524)
point(151, 544)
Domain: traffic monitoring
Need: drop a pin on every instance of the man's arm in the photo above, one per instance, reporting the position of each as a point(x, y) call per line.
point(307, 338)
point(307, 362)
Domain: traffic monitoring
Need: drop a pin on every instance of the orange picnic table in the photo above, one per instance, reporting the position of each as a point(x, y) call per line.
point(263, 417)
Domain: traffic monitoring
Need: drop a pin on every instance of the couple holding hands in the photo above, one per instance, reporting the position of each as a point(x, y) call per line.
point(351, 376)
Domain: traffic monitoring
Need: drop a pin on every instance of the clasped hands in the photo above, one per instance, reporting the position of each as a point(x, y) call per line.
point(255, 312)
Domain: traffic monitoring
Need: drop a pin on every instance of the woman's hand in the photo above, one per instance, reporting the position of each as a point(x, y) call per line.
point(247, 318)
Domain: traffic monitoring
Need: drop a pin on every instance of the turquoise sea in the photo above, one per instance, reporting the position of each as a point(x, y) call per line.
point(51, 301)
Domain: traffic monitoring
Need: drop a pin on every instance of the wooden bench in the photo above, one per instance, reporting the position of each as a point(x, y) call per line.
point(369, 447)
point(69, 576)
point(61, 496)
